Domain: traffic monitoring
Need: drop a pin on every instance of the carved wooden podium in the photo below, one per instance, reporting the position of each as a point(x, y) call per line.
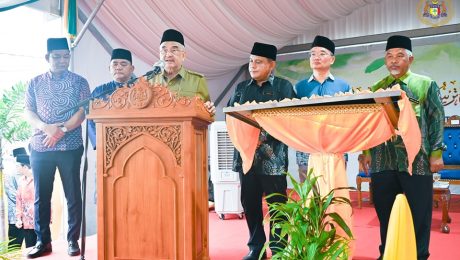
point(151, 174)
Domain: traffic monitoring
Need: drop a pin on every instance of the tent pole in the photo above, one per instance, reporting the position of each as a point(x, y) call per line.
point(230, 85)
point(88, 22)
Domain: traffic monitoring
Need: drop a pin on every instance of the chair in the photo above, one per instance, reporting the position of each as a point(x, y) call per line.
point(360, 178)
point(451, 155)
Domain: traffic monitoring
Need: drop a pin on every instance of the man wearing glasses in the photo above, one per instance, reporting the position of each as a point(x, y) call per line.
point(56, 143)
point(121, 67)
point(178, 79)
point(320, 83)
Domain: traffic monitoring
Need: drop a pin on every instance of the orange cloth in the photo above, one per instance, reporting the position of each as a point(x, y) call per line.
point(327, 129)
point(400, 242)
point(244, 137)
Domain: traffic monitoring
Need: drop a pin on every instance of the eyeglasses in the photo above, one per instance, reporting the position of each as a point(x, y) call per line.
point(174, 52)
point(321, 55)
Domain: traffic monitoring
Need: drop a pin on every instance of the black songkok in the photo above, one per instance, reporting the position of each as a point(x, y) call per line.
point(57, 44)
point(18, 151)
point(321, 41)
point(121, 54)
point(264, 50)
point(399, 41)
point(172, 35)
point(23, 158)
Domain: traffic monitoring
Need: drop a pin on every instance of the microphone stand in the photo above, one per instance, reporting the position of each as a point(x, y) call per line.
point(85, 102)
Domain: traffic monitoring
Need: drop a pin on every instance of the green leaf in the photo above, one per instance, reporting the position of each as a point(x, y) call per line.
point(375, 65)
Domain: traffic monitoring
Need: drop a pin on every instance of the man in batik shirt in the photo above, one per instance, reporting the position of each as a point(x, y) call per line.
point(388, 161)
point(266, 175)
point(56, 143)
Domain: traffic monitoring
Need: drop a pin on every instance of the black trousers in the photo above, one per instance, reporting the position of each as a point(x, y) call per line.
point(419, 192)
point(18, 235)
point(253, 187)
point(44, 166)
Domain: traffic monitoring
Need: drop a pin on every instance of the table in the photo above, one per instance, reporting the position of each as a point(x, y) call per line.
point(443, 195)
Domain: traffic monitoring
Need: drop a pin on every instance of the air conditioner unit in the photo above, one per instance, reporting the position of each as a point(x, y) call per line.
point(226, 183)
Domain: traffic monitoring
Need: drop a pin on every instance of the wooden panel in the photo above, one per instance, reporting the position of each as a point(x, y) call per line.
point(142, 200)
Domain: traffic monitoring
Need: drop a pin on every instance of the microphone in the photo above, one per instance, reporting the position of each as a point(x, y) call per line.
point(158, 68)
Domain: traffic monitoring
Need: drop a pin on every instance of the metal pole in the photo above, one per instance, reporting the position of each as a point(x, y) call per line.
point(88, 22)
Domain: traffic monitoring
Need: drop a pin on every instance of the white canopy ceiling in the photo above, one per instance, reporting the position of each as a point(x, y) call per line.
point(218, 34)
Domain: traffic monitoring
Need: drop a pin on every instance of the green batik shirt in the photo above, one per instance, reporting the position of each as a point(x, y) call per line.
point(392, 154)
point(186, 83)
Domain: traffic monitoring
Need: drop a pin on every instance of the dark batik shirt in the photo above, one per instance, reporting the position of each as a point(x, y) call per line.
point(271, 157)
point(392, 154)
point(47, 96)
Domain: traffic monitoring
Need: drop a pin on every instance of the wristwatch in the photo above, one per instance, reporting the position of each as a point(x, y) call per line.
point(63, 128)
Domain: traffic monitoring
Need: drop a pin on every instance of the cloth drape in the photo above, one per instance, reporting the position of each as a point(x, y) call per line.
point(400, 243)
point(327, 129)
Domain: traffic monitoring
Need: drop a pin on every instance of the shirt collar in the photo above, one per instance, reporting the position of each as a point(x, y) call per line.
point(312, 77)
point(181, 73)
point(404, 78)
point(270, 80)
point(53, 76)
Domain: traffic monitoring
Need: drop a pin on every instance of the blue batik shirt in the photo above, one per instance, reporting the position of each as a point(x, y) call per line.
point(48, 95)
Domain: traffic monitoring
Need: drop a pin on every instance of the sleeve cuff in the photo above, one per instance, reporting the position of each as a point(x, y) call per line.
point(436, 153)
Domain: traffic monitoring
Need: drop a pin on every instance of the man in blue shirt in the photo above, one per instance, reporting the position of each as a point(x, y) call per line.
point(320, 83)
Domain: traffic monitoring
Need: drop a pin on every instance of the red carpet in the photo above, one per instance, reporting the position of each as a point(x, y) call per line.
point(228, 237)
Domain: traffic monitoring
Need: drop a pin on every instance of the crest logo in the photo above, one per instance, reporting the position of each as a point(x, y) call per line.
point(435, 12)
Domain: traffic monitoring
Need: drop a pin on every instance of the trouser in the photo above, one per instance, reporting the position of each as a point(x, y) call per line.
point(30, 237)
point(44, 166)
point(419, 192)
point(16, 235)
point(253, 187)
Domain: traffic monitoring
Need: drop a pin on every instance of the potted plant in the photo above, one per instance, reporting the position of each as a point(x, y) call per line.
point(13, 127)
point(8, 252)
point(308, 226)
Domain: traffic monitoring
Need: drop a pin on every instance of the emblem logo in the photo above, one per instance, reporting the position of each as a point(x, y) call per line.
point(435, 12)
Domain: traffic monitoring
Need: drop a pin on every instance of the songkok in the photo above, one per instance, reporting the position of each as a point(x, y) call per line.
point(264, 50)
point(121, 54)
point(23, 158)
point(399, 41)
point(57, 44)
point(18, 151)
point(321, 41)
point(172, 35)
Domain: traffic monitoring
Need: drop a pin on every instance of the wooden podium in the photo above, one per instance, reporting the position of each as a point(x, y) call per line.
point(151, 174)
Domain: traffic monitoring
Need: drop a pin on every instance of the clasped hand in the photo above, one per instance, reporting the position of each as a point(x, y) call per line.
point(53, 135)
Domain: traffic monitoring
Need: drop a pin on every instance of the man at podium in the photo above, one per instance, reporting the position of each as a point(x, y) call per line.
point(178, 79)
